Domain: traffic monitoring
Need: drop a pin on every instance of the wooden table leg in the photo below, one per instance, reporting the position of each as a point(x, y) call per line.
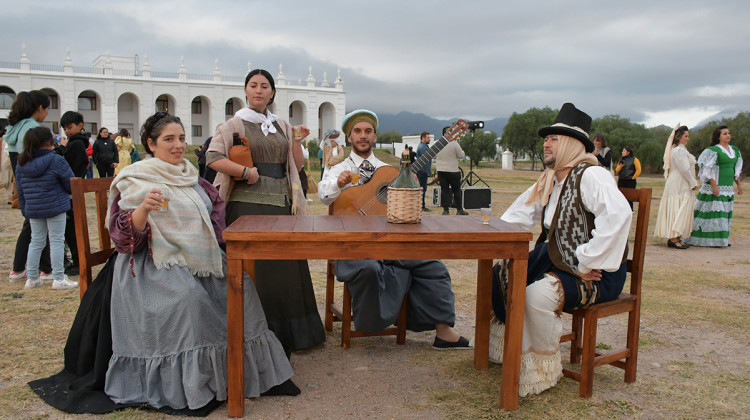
point(513, 334)
point(482, 322)
point(235, 338)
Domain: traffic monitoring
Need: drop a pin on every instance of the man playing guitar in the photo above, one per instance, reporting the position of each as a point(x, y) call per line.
point(378, 287)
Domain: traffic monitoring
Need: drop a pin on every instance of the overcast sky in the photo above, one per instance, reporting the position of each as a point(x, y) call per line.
point(655, 62)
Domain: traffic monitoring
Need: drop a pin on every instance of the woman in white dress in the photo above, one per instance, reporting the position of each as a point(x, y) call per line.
point(675, 219)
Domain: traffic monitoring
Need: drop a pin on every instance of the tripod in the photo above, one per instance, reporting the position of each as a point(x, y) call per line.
point(469, 178)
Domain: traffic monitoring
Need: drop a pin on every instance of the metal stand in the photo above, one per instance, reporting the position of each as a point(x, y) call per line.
point(469, 178)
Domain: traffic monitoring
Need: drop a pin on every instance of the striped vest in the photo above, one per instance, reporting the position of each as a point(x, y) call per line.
point(571, 227)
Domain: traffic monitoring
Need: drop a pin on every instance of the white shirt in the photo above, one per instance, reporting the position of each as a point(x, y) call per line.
point(328, 187)
point(612, 218)
point(447, 159)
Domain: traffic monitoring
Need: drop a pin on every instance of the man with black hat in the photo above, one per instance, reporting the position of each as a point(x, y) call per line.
point(378, 287)
point(579, 258)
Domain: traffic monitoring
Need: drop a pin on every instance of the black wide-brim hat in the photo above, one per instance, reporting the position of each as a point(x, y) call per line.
point(572, 122)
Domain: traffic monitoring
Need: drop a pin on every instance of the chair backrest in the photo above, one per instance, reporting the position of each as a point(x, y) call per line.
point(642, 196)
point(87, 259)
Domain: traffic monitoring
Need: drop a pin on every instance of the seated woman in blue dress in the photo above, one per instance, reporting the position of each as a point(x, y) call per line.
point(168, 288)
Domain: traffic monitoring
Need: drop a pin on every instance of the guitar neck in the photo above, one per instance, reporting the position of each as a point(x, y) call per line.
point(426, 158)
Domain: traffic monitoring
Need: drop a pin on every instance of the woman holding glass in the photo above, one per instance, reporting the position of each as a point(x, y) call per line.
point(168, 302)
point(271, 186)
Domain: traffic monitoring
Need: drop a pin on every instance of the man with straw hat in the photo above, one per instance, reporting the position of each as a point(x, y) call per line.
point(579, 258)
point(378, 287)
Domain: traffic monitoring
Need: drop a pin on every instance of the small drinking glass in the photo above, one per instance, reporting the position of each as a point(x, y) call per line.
point(486, 212)
point(297, 131)
point(354, 169)
point(165, 200)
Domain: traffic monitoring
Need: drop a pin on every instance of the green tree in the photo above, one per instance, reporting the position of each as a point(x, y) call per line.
point(481, 145)
point(313, 146)
point(390, 136)
point(521, 134)
point(620, 132)
point(739, 126)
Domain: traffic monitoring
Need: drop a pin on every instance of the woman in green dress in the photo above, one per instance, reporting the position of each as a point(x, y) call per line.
point(271, 186)
point(719, 168)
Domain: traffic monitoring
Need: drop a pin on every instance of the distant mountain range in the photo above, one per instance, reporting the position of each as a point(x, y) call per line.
point(408, 123)
point(716, 117)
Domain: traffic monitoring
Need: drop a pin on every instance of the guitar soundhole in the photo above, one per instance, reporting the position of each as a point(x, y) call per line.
point(382, 193)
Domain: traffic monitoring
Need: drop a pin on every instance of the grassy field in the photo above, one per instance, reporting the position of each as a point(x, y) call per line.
point(693, 360)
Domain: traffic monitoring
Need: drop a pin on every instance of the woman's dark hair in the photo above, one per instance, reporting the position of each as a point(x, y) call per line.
point(153, 127)
point(681, 130)
point(600, 137)
point(35, 139)
point(629, 150)
point(26, 104)
point(268, 77)
point(124, 133)
point(99, 135)
point(716, 134)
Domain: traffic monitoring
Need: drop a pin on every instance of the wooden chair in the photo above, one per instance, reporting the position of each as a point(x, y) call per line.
point(334, 313)
point(583, 336)
point(87, 259)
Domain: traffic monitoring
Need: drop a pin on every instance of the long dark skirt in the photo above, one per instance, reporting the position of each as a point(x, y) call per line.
point(285, 289)
point(79, 387)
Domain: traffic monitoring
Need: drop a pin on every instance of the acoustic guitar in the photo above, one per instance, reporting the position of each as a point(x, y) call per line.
point(372, 198)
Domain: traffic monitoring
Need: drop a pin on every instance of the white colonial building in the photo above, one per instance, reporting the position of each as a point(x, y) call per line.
point(117, 92)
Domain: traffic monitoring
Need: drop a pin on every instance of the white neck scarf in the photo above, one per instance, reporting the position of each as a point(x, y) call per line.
point(265, 121)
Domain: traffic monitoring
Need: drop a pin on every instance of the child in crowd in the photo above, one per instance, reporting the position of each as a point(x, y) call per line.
point(76, 156)
point(43, 182)
point(28, 111)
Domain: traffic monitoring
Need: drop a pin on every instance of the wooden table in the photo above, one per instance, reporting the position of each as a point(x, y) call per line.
point(372, 237)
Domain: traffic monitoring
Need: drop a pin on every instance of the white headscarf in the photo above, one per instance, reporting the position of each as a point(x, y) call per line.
point(668, 151)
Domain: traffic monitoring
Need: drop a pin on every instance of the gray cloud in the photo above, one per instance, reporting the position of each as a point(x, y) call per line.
point(640, 59)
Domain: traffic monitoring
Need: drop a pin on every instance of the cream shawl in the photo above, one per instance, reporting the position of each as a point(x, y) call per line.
point(182, 235)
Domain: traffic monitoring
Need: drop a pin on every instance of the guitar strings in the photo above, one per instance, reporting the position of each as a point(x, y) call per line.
point(382, 195)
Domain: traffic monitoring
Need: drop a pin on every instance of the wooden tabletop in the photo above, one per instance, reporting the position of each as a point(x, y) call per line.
point(447, 237)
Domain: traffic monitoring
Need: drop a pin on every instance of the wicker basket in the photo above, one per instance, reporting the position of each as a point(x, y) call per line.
point(404, 205)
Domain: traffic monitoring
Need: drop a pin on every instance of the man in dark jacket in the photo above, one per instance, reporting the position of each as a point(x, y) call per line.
point(75, 154)
point(105, 154)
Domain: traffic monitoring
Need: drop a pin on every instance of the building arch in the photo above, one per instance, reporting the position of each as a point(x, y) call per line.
point(297, 113)
point(7, 97)
point(200, 119)
point(326, 118)
point(128, 107)
point(53, 117)
point(89, 104)
point(165, 103)
point(231, 106)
